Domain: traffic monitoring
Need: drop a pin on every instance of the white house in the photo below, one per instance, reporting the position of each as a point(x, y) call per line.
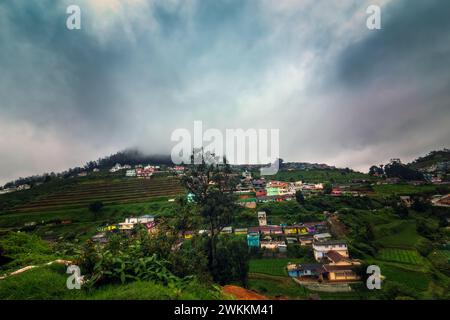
point(131, 173)
point(116, 168)
point(142, 219)
point(322, 236)
point(321, 248)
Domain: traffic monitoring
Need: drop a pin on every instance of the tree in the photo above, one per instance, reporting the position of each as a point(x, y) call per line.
point(300, 197)
point(327, 188)
point(213, 186)
point(398, 170)
point(376, 171)
point(95, 207)
point(233, 259)
point(186, 218)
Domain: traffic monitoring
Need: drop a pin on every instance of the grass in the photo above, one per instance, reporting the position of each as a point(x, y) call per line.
point(400, 234)
point(402, 189)
point(274, 267)
point(274, 286)
point(49, 283)
point(444, 254)
point(416, 280)
point(400, 255)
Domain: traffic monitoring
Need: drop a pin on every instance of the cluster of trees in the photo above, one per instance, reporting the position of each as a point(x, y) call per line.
point(396, 169)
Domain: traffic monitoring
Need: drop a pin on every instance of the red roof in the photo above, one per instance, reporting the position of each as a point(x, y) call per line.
point(335, 256)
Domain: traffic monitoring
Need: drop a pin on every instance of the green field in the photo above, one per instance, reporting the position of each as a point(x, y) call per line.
point(399, 233)
point(275, 267)
point(400, 255)
point(403, 189)
point(443, 254)
point(416, 280)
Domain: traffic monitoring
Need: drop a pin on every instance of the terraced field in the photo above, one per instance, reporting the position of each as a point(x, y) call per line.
point(113, 192)
point(400, 255)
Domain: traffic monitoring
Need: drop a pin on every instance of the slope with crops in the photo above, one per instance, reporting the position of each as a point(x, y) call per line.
point(111, 192)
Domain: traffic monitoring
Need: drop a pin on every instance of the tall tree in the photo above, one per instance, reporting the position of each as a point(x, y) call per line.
point(212, 186)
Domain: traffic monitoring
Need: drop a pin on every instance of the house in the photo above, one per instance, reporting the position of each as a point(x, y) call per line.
point(274, 245)
point(339, 273)
point(144, 172)
point(130, 173)
point(100, 238)
point(335, 258)
point(314, 270)
point(142, 219)
point(321, 248)
point(272, 191)
point(247, 175)
point(406, 201)
point(247, 203)
point(253, 239)
point(306, 240)
point(322, 236)
point(116, 168)
point(262, 218)
point(188, 234)
point(271, 230)
point(227, 230)
point(259, 183)
point(126, 226)
point(336, 192)
point(23, 187)
point(291, 240)
point(151, 227)
point(240, 231)
point(290, 230)
point(261, 193)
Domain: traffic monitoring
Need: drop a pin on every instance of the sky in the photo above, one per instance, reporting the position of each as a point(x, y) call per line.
point(137, 70)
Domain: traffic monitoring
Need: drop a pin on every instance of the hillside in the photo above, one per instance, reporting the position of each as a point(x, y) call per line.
point(433, 158)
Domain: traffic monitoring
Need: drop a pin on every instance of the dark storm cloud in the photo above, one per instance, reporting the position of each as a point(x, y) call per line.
point(415, 40)
point(138, 69)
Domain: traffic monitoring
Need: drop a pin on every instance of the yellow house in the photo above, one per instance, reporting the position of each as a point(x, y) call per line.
point(340, 267)
point(340, 273)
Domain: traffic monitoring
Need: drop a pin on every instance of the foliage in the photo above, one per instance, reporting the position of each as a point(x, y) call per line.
point(300, 197)
point(399, 170)
point(95, 207)
point(24, 249)
point(213, 187)
point(232, 261)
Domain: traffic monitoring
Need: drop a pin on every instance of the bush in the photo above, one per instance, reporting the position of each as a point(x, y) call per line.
point(190, 259)
point(298, 251)
point(22, 249)
point(232, 261)
point(96, 206)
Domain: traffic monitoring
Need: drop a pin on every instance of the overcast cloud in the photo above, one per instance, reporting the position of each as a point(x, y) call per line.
point(138, 69)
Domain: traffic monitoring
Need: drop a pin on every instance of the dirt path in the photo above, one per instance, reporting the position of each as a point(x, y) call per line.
point(243, 294)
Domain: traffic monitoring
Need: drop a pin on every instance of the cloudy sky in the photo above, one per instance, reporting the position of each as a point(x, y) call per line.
point(139, 69)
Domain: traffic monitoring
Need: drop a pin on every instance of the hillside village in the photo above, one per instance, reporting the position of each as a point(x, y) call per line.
point(318, 227)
